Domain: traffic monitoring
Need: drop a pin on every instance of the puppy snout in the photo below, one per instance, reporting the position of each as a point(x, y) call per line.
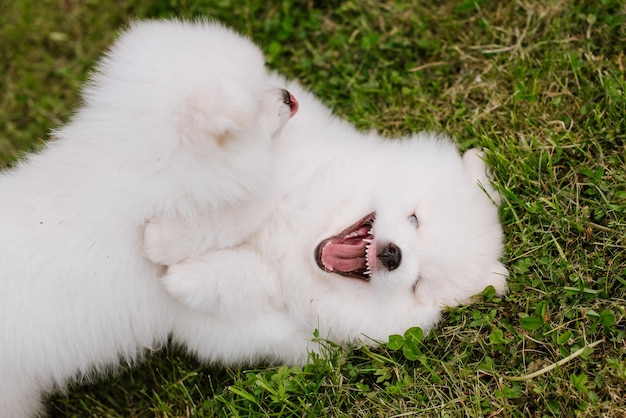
point(390, 256)
point(290, 101)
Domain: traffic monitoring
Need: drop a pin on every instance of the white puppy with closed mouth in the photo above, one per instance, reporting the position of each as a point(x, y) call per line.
point(367, 237)
point(178, 119)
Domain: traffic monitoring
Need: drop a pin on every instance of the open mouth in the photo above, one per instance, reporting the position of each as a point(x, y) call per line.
point(350, 252)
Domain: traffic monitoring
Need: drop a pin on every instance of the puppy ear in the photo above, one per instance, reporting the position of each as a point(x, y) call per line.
point(478, 170)
point(220, 111)
point(204, 120)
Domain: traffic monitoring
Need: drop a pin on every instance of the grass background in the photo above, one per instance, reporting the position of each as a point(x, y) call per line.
point(541, 84)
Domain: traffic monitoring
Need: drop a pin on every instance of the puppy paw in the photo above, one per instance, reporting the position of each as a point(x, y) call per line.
point(162, 243)
point(189, 283)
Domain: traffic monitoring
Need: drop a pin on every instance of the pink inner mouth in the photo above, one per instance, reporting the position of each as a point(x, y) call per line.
point(349, 253)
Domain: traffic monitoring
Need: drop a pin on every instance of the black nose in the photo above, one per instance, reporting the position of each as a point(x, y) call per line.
point(290, 101)
point(287, 97)
point(390, 256)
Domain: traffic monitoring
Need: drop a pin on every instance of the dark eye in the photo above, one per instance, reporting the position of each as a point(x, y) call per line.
point(413, 221)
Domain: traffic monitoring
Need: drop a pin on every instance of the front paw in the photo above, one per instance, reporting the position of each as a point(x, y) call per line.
point(188, 283)
point(161, 243)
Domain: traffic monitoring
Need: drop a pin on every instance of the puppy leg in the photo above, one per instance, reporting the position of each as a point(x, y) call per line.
point(170, 238)
point(233, 282)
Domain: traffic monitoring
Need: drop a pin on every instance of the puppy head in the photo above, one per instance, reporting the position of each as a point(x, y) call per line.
point(432, 232)
point(186, 83)
point(415, 232)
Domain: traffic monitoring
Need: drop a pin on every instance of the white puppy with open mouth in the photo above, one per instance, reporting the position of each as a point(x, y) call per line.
point(367, 237)
point(178, 119)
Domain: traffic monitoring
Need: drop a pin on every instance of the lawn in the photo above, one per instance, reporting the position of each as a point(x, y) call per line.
point(540, 84)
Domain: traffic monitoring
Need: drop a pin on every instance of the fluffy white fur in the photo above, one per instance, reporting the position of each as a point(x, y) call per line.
point(178, 119)
point(262, 300)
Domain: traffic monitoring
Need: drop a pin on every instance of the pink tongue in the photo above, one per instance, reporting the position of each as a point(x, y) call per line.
point(344, 257)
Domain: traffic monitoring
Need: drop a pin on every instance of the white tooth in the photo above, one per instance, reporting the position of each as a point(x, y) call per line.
point(367, 240)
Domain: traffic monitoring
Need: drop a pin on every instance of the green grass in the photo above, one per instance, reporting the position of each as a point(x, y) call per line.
point(540, 84)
